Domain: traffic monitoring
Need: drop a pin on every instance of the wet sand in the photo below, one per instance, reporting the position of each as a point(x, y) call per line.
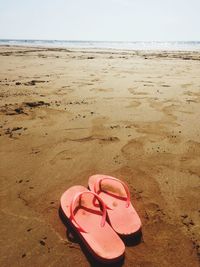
point(66, 114)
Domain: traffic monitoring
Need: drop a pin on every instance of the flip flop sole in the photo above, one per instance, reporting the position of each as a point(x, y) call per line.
point(124, 220)
point(101, 241)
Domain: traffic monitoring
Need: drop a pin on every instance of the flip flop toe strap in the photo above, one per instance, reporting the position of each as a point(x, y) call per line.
point(102, 204)
point(97, 186)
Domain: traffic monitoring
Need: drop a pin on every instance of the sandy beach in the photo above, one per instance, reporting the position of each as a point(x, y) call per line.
point(66, 114)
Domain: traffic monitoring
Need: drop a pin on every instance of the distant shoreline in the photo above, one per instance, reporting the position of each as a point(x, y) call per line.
point(106, 45)
point(157, 53)
point(9, 50)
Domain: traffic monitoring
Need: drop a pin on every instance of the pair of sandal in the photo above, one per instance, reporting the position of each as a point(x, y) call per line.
point(100, 215)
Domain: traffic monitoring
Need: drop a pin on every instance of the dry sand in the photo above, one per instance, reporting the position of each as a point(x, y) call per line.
point(68, 114)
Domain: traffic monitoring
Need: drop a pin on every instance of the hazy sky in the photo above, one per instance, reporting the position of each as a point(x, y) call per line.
point(123, 20)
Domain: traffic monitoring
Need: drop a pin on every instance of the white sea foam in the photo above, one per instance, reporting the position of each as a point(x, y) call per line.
point(168, 46)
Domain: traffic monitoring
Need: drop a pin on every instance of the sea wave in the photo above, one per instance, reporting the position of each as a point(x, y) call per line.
point(168, 46)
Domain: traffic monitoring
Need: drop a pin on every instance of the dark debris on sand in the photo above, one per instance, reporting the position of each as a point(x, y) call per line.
point(36, 104)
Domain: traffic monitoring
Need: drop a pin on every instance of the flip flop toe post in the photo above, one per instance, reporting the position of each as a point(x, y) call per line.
point(88, 219)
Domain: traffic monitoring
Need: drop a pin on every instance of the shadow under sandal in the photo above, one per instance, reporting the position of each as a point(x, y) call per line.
point(115, 194)
point(89, 221)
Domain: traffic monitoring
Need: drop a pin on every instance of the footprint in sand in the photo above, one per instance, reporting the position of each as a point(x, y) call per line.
point(133, 92)
point(102, 90)
point(63, 155)
point(165, 85)
point(134, 104)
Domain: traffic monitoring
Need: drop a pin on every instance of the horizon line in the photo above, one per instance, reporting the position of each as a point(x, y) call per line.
point(77, 40)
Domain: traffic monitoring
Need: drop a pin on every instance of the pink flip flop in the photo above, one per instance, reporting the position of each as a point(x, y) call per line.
point(115, 194)
point(89, 221)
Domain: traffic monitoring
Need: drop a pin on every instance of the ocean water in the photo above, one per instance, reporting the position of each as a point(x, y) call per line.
point(147, 46)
